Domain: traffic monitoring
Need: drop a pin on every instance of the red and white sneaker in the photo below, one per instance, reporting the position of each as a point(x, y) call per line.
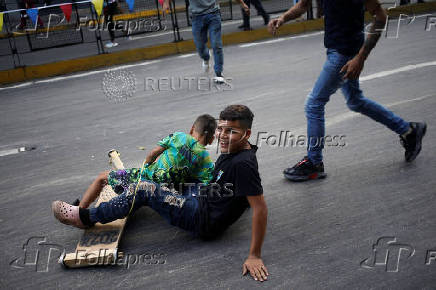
point(67, 214)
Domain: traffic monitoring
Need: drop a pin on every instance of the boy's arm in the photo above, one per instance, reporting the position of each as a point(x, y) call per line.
point(294, 12)
point(254, 264)
point(153, 154)
point(354, 67)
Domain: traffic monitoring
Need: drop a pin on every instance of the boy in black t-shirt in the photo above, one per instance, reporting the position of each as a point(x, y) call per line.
point(236, 185)
point(210, 209)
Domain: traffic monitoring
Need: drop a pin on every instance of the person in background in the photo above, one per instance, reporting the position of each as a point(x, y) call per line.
point(246, 16)
point(206, 20)
point(109, 11)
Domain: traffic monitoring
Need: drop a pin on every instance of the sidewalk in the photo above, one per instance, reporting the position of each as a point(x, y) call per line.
point(81, 57)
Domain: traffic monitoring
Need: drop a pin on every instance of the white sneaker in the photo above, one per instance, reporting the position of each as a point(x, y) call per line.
point(111, 44)
point(219, 80)
point(205, 66)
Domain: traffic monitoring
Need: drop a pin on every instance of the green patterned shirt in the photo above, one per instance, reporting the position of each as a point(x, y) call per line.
point(184, 160)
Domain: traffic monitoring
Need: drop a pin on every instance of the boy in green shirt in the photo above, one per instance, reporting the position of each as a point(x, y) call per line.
point(179, 158)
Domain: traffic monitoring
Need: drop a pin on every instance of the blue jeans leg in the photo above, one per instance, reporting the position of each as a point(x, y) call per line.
point(199, 33)
point(358, 103)
point(327, 84)
point(179, 210)
point(216, 41)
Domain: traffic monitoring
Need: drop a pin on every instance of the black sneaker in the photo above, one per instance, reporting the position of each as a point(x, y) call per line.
point(413, 141)
point(305, 170)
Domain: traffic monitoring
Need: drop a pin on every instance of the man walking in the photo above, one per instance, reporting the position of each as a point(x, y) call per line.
point(347, 51)
point(206, 19)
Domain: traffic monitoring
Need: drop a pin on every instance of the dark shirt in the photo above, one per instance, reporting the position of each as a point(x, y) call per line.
point(235, 177)
point(344, 25)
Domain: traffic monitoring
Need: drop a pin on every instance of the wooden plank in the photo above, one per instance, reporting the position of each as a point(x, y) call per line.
point(98, 246)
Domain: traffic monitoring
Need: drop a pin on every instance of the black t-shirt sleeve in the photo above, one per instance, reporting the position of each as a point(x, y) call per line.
point(247, 179)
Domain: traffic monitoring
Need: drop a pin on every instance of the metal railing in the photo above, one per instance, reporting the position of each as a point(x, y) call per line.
point(52, 28)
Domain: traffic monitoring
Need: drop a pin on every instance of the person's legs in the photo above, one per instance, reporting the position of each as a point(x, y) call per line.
point(326, 85)
point(259, 7)
point(319, 9)
point(23, 15)
point(178, 210)
point(111, 25)
point(358, 103)
point(245, 16)
point(199, 33)
point(214, 27)
point(94, 189)
point(411, 133)
point(312, 167)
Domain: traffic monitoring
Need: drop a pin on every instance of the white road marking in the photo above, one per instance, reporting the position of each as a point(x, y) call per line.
point(79, 75)
point(149, 36)
point(9, 152)
point(186, 55)
point(395, 71)
point(281, 39)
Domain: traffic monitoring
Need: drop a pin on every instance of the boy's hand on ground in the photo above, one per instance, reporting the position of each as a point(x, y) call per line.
point(256, 268)
point(274, 25)
point(353, 68)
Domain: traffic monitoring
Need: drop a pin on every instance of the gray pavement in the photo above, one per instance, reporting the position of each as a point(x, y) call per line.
point(318, 232)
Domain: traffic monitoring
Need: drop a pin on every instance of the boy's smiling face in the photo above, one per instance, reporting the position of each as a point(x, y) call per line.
point(231, 136)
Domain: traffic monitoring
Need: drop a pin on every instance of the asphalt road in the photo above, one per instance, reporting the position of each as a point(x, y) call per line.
point(372, 206)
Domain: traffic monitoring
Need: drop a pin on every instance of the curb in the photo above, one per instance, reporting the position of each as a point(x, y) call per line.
point(32, 72)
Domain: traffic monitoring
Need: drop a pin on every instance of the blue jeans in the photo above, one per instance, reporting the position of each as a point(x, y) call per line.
point(179, 210)
point(328, 82)
point(201, 26)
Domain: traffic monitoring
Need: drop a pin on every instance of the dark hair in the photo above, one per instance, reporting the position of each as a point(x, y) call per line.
point(239, 113)
point(205, 125)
